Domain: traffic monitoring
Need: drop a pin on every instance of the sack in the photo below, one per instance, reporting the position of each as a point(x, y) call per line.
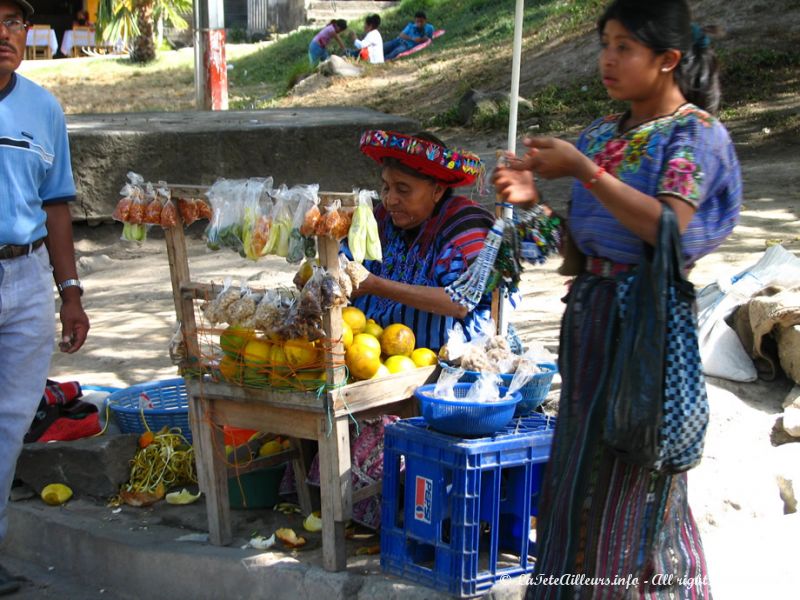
point(657, 404)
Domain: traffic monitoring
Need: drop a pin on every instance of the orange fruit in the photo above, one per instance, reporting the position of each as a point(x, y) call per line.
point(301, 353)
point(398, 339)
point(424, 357)
point(373, 328)
point(233, 339)
point(365, 339)
point(381, 372)
point(347, 335)
point(256, 353)
point(230, 368)
point(355, 318)
point(362, 361)
point(147, 438)
point(399, 363)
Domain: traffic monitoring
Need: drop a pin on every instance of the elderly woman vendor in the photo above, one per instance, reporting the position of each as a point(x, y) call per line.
point(429, 235)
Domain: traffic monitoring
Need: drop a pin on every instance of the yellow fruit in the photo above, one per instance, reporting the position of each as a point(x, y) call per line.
point(355, 318)
point(397, 339)
point(311, 380)
point(56, 494)
point(373, 328)
point(234, 339)
point(362, 361)
point(230, 368)
point(270, 447)
point(289, 537)
point(399, 364)
point(368, 340)
point(381, 372)
point(182, 497)
point(424, 357)
point(301, 353)
point(278, 366)
point(312, 523)
point(228, 449)
point(347, 335)
point(256, 353)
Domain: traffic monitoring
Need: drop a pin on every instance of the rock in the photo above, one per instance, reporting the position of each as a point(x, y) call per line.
point(475, 103)
point(788, 339)
point(791, 420)
point(94, 466)
point(311, 84)
point(336, 65)
point(92, 264)
point(786, 490)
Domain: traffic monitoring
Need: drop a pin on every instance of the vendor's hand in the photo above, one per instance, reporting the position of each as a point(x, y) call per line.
point(553, 158)
point(513, 184)
point(365, 287)
point(74, 325)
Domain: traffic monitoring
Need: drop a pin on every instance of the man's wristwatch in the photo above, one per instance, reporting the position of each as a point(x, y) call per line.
point(68, 283)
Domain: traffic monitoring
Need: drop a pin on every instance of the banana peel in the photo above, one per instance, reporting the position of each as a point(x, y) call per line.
point(55, 494)
point(182, 497)
point(313, 522)
point(369, 550)
point(289, 538)
point(260, 542)
point(287, 508)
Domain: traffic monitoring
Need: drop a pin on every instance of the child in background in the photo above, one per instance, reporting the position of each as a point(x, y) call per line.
point(371, 47)
point(317, 49)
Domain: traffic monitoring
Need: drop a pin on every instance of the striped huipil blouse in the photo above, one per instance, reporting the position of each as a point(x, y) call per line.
point(435, 254)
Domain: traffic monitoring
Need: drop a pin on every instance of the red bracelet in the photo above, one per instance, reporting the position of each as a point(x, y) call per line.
point(595, 178)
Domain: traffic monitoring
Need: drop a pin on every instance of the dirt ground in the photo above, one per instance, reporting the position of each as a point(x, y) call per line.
point(734, 493)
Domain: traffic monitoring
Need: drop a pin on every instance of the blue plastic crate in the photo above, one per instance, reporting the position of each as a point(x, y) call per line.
point(169, 407)
point(533, 393)
point(459, 503)
point(465, 418)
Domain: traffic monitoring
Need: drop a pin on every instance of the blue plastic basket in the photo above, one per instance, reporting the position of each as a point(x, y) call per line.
point(465, 418)
point(169, 401)
point(533, 393)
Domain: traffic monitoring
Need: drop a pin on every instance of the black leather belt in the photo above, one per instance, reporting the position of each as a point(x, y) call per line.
point(14, 251)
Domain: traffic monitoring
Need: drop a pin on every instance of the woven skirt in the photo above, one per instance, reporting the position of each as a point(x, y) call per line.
point(606, 529)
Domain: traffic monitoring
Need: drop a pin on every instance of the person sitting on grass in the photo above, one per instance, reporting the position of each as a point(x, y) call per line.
point(317, 49)
point(371, 47)
point(415, 33)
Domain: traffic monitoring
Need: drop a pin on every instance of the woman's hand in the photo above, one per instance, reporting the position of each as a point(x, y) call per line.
point(553, 158)
point(514, 183)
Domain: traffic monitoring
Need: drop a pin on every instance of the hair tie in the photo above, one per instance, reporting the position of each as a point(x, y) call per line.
point(700, 39)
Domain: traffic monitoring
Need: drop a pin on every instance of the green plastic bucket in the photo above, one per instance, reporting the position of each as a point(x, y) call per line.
point(258, 489)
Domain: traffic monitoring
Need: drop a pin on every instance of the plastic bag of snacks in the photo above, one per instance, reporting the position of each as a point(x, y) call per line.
point(363, 238)
point(153, 204)
point(225, 228)
point(242, 311)
point(216, 310)
point(257, 222)
point(169, 212)
point(301, 246)
point(282, 215)
point(335, 221)
point(485, 389)
point(130, 209)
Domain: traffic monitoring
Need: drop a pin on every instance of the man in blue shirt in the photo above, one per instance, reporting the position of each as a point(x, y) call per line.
point(414, 33)
point(36, 247)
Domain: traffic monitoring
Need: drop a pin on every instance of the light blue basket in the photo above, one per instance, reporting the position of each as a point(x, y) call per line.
point(169, 407)
point(465, 418)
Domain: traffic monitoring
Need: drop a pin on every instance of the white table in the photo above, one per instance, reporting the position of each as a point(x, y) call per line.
point(80, 38)
point(42, 37)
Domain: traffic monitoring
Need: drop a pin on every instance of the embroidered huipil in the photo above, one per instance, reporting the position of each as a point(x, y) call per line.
point(687, 154)
point(434, 255)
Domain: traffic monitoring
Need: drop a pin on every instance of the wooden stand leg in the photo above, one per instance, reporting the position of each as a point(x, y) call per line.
point(211, 470)
point(300, 475)
point(335, 489)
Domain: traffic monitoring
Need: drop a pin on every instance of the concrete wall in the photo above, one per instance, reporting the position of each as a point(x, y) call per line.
point(312, 145)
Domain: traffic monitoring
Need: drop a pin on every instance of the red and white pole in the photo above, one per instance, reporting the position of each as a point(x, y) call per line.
point(210, 67)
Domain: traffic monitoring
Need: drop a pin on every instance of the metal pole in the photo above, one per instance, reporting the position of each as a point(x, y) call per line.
point(210, 72)
point(513, 107)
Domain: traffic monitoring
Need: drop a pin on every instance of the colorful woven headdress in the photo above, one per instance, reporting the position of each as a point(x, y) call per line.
point(454, 168)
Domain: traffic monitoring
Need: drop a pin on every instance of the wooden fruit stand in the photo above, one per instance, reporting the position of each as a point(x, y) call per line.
point(321, 417)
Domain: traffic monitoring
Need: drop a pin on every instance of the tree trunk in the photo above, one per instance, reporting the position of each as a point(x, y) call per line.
point(144, 49)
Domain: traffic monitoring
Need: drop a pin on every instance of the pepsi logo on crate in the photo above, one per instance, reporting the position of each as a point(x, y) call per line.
point(423, 499)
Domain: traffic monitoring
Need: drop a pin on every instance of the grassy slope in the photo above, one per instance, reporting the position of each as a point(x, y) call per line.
point(760, 59)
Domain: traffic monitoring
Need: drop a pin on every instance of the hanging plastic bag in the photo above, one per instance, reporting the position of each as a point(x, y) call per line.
point(305, 198)
point(278, 242)
point(242, 311)
point(256, 221)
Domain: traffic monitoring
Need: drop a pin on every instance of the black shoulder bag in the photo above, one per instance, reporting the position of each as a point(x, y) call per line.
point(657, 404)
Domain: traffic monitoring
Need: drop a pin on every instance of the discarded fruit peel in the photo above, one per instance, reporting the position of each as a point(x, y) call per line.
point(289, 538)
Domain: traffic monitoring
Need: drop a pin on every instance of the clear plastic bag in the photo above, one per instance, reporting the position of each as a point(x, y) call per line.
point(305, 197)
point(485, 389)
point(225, 228)
point(256, 220)
point(278, 242)
point(444, 388)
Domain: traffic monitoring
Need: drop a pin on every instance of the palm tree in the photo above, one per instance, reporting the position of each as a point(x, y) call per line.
point(134, 20)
